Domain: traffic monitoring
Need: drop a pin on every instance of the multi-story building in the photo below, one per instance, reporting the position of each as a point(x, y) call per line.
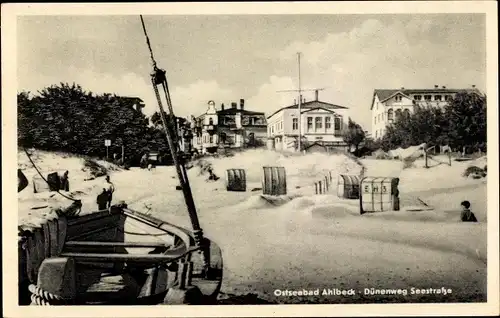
point(233, 127)
point(239, 127)
point(321, 122)
point(389, 104)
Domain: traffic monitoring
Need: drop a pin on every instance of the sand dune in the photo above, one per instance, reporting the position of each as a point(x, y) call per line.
point(303, 240)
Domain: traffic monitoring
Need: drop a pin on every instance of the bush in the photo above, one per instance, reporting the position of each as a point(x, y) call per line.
point(96, 170)
point(474, 171)
point(408, 162)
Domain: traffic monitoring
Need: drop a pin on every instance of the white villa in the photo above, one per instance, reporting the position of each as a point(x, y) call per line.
point(321, 123)
point(388, 104)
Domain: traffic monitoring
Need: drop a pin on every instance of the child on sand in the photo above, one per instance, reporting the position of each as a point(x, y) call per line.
point(467, 215)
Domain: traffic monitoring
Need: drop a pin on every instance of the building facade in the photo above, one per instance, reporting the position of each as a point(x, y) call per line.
point(321, 122)
point(389, 104)
point(233, 127)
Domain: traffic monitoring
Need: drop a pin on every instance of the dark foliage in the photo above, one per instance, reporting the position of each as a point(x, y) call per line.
point(353, 135)
point(461, 124)
point(66, 118)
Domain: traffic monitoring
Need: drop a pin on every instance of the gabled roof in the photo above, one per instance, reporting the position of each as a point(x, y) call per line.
point(315, 144)
point(315, 108)
point(132, 99)
point(233, 111)
point(385, 94)
point(310, 105)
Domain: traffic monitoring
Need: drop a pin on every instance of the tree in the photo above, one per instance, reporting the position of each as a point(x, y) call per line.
point(353, 135)
point(462, 123)
point(466, 114)
point(65, 117)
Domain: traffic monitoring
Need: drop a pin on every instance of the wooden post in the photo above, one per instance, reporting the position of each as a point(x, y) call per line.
point(123, 154)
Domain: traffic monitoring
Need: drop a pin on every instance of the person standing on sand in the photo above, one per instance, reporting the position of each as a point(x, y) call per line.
point(65, 181)
point(467, 215)
point(102, 200)
point(110, 189)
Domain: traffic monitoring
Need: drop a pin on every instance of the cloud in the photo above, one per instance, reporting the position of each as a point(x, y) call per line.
point(374, 54)
point(186, 100)
point(267, 99)
point(192, 99)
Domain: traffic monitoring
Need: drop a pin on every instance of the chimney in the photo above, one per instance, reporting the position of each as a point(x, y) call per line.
point(402, 88)
point(436, 86)
point(316, 93)
point(444, 87)
point(473, 86)
point(234, 105)
point(222, 106)
point(295, 102)
point(242, 103)
point(304, 100)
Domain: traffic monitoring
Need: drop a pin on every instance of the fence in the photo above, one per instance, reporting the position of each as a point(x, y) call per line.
point(430, 157)
point(324, 185)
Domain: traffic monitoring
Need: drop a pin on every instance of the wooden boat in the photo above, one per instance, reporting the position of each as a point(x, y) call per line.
point(124, 257)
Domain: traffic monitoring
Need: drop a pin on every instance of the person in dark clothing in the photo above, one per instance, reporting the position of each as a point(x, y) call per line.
point(102, 200)
point(467, 215)
point(110, 189)
point(65, 181)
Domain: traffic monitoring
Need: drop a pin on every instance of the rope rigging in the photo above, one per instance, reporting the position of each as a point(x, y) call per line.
point(40, 174)
point(158, 77)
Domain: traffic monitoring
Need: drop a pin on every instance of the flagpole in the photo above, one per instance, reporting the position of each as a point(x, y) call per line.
point(299, 143)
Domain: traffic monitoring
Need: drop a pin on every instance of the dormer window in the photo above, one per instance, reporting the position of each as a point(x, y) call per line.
point(417, 97)
point(428, 97)
point(437, 97)
point(398, 98)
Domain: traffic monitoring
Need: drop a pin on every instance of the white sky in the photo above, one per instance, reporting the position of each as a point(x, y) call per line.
point(228, 57)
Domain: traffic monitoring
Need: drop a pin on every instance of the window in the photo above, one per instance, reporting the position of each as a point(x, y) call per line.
point(375, 119)
point(318, 122)
point(447, 97)
point(398, 98)
point(309, 123)
point(328, 122)
point(376, 133)
point(337, 123)
point(379, 117)
point(427, 97)
point(406, 112)
point(211, 138)
point(417, 97)
point(295, 123)
point(437, 97)
point(390, 115)
point(398, 113)
point(210, 121)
